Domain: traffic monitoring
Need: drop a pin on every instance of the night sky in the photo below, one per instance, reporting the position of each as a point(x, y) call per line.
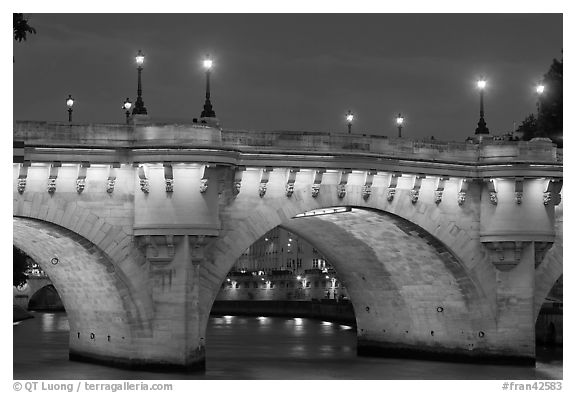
point(291, 71)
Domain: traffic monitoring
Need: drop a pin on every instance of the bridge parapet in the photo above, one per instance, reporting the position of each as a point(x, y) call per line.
point(488, 151)
point(111, 136)
point(115, 135)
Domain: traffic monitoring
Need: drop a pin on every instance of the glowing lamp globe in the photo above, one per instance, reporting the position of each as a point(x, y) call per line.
point(140, 58)
point(207, 63)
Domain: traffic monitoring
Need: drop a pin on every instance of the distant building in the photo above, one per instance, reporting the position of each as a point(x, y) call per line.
point(282, 266)
point(281, 250)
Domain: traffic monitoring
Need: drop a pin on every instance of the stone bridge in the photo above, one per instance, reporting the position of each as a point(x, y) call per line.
point(23, 294)
point(448, 249)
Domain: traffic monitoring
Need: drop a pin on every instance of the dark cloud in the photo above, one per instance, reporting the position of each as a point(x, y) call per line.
point(291, 71)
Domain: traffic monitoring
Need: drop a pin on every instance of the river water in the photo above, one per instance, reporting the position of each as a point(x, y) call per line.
point(259, 348)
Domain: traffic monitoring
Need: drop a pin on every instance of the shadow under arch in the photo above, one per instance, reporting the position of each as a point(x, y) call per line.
point(96, 295)
point(419, 295)
point(551, 267)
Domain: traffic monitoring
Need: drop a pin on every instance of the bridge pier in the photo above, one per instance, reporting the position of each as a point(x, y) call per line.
point(515, 304)
point(174, 340)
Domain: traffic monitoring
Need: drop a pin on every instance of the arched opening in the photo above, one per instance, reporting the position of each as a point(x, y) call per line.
point(282, 274)
point(94, 292)
point(46, 299)
point(549, 322)
point(410, 293)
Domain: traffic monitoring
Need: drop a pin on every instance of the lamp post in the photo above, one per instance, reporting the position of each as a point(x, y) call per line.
point(399, 122)
point(139, 108)
point(349, 119)
point(126, 106)
point(208, 111)
point(69, 104)
point(481, 129)
point(540, 88)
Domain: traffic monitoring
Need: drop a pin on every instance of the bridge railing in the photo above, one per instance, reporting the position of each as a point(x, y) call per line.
point(488, 151)
point(147, 135)
point(115, 135)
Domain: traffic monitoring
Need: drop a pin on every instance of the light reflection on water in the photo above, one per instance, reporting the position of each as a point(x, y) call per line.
point(258, 348)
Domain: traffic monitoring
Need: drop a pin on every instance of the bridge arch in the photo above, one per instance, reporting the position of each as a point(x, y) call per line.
point(45, 298)
point(88, 221)
point(551, 267)
point(461, 304)
point(99, 300)
point(249, 217)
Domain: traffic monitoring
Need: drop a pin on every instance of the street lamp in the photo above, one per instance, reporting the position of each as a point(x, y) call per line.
point(540, 88)
point(399, 122)
point(139, 108)
point(208, 111)
point(349, 119)
point(69, 104)
point(482, 129)
point(126, 106)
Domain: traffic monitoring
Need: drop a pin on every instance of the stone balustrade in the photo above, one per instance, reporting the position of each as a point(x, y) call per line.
point(158, 135)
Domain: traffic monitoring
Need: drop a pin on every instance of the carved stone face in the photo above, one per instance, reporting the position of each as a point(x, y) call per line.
point(341, 190)
point(145, 186)
point(289, 189)
point(51, 185)
point(110, 185)
point(366, 191)
point(438, 196)
point(390, 194)
point(21, 185)
point(493, 198)
point(262, 189)
point(236, 187)
point(414, 194)
point(547, 197)
point(315, 190)
point(169, 185)
point(203, 185)
point(518, 197)
point(461, 198)
point(80, 184)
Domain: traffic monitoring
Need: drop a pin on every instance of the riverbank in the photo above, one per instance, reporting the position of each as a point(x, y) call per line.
point(325, 309)
point(19, 314)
